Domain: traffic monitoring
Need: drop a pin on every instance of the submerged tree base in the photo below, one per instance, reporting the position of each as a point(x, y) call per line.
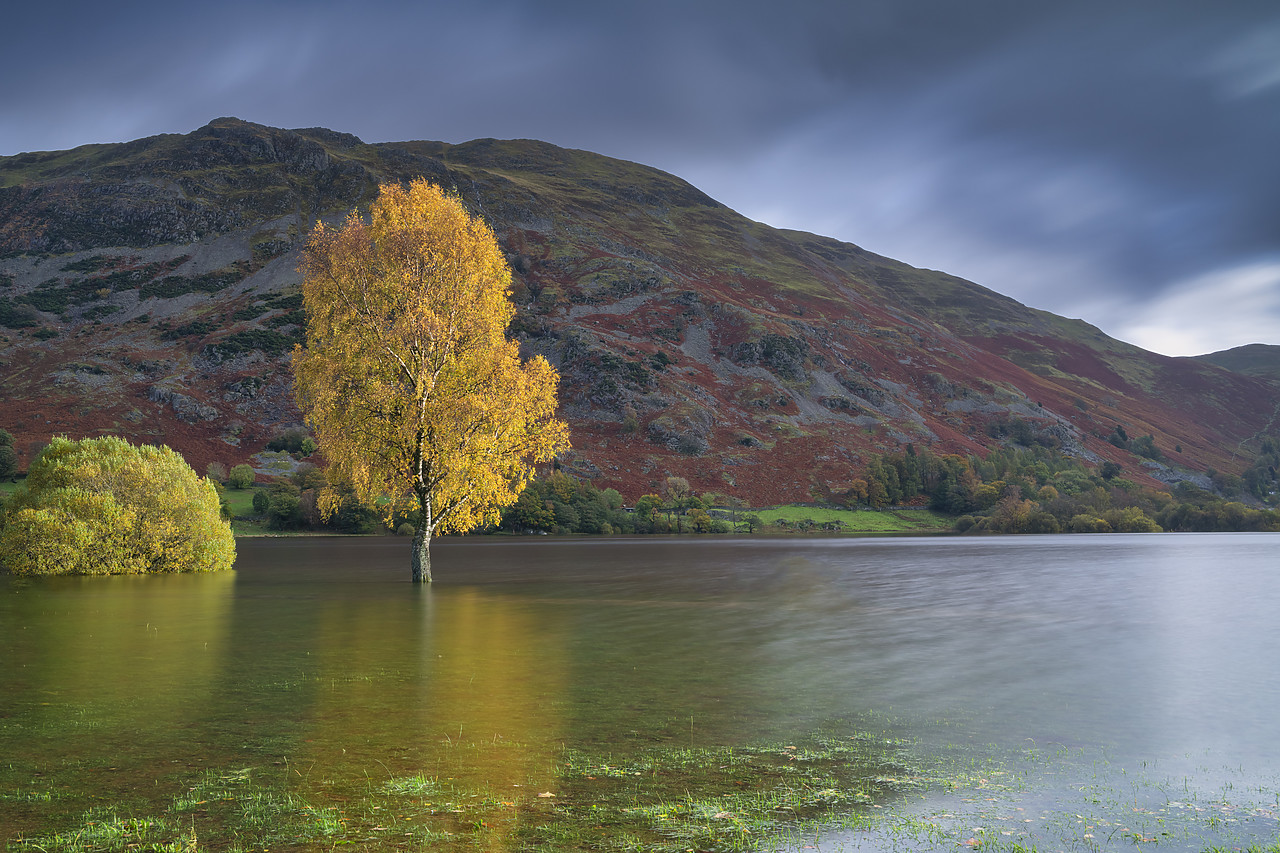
point(420, 560)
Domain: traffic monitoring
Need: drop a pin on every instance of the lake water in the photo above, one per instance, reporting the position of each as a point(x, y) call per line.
point(1142, 672)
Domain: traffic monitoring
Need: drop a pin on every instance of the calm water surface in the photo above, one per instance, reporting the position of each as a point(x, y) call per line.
point(1153, 654)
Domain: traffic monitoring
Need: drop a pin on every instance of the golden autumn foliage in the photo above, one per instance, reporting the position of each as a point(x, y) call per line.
point(408, 379)
point(104, 506)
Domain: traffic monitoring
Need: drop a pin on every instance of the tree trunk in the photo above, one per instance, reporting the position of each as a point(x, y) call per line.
point(420, 562)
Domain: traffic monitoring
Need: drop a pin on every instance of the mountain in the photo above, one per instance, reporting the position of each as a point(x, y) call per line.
point(1261, 360)
point(149, 289)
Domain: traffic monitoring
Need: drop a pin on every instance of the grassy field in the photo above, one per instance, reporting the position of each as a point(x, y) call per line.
point(855, 520)
point(244, 521)
point(240, 500)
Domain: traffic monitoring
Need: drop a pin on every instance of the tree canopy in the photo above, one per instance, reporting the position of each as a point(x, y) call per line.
point(104, 506)
point(407, 378)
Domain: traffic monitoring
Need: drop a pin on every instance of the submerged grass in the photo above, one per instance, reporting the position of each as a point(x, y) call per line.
point(656, 799)
point(841, 788)
point(106, 831)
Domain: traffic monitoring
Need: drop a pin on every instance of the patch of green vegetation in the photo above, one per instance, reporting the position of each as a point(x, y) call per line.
point(286, 301)
point(258, 527)
point(247, 521)
point(240, 501)
point(266, 341)
point(795, 516)
point(57, 295)
point(292, 318)
point(127, 279)
point(99, 311)
point(53, 296)
point(194, 329)
point(17, 315)
point(210, 282)
point(660, 361)
point(249, 312)
point(291, 303)
point(104, 831)
point(658, 799)
point(90, 264)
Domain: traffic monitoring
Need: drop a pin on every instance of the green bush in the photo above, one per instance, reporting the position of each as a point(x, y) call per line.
point(1131, 520)
point(1088, 523)
point(241, 477)
point(104, 506)
point(351, 515)
point(284, 511)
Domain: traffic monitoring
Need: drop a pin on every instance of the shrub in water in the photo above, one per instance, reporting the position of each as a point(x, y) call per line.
point(104, 506)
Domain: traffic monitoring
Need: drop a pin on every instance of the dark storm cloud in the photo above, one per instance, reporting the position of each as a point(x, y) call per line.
point(1111, 161)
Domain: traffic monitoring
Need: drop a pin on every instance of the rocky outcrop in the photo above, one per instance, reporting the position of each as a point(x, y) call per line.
point(168, 189)
point(186, 407)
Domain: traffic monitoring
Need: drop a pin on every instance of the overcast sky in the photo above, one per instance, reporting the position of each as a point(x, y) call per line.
point(1113, 161)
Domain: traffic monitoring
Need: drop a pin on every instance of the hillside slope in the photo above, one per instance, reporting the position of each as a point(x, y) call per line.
point(148, 289)
point(1261, 360)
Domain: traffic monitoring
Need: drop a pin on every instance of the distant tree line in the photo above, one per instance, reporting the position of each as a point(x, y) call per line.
point(1038, 489)
point(563, 504)
point(1033, 488)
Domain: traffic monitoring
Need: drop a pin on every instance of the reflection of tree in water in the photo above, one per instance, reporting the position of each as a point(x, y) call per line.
point(109, 674)
point(458, 682)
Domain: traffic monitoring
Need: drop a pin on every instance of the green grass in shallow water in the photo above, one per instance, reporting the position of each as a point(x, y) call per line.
point(657, 799)
point(841, 789)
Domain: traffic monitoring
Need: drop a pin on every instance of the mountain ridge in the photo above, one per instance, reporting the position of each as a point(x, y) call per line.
point(1260, 360)
point(691, 341)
